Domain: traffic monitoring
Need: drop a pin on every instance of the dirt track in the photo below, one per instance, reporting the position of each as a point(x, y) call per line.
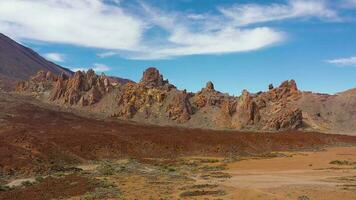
point(34, 138)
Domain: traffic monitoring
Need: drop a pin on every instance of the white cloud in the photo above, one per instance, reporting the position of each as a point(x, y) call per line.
point(106, 54)
point(57, 57)
point(117, 31)
point(90, 23)
point(245, 14)
point(203, 34)
point(227, 40)
point(351, 61)
point(100, 67)
point(97, 67)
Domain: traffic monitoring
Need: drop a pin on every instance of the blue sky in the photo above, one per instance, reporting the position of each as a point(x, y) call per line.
point(237, 44)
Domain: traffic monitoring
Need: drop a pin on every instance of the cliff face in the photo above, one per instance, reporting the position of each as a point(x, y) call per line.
point(155, 100)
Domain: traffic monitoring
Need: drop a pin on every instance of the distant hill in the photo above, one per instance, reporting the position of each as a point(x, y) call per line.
point(18, 62)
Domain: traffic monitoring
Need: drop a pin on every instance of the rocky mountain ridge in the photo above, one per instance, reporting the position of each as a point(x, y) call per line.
point(156, 101)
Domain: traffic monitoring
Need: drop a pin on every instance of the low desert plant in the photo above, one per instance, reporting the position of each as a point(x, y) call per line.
point(303, 198)
point(4, 188)
point(202, 193)
point(216, 175)
point(27, 183)
point(209, 160)
point(39, 179)
point(213, 168)
point(342, 162)
point(202, 186)
point(104, 190)
point(106, 169)
point(168, 168)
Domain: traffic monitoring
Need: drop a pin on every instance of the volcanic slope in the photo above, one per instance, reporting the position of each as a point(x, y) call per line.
point(18, 62)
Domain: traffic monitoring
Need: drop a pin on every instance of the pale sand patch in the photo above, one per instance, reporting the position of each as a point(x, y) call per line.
point(18, 182)
point(304, 173)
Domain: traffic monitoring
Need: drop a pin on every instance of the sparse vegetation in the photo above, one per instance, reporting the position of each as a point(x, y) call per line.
point(4, 188)
point(202, 193)
point(199, 186)
point(303, 198)
point(168, 168)
point(39, 179)
point(103, 190)
point(342, 162)
point(106, 169)
point(213, 168)
point(102, 193)
point(27, 183)
point(208, 160)
point(231, 159)
point(216, 175)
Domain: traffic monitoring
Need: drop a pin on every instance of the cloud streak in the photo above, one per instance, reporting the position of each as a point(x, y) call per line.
point(199, 35)
point(56, 57)
point(350, 61)
point(97, 67)
point(247, 14)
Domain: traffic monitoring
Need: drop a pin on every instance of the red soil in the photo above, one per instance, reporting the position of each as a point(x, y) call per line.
point(51, 188)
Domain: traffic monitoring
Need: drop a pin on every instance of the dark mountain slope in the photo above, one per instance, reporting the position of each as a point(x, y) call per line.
point(18, 62)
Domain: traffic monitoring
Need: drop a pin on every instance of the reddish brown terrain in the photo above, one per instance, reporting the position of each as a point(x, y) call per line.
point(36, 137)
point(39, 139)
point(51, 188)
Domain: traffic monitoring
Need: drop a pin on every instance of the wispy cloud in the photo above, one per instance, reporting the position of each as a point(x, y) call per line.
point(97, 67)
point(56, 57)
point(245, 14)
point(350, 61)
point(106, 54)
point(227, 40)
point(203, 34)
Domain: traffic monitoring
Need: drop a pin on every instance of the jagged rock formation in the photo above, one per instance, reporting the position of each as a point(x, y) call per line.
point(246, 111)
point(152, 97)
point(179, 108)
point(154, 100)
point(82, 89)
point(41, 82)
